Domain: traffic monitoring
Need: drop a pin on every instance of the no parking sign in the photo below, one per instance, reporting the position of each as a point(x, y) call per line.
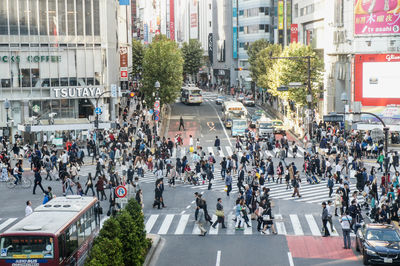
point(120, 191)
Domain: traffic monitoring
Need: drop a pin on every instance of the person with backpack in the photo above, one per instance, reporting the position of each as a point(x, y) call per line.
point(345, 222)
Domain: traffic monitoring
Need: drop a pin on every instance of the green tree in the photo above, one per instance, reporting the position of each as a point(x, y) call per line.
point(192, 56)
point(137, 57)
point(106, 252)
point(285, 71)
point(263, 63)
point(162, 62)
point(252, 52)
point(135, 247)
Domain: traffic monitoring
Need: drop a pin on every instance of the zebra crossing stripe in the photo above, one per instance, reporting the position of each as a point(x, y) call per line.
point(296, 225)
point(248, 230)
point(231, 225)
point(280, 226)
point(150, 223)
point(166, 224)
point(173, 153)
point(182, 224)
point(229, 150)
point(196, 229)
point(7, 223)
point(183, 151)
point(335, 233)
point(313, 225)
point(210, 150)
point(214, 231)
point(221, 153)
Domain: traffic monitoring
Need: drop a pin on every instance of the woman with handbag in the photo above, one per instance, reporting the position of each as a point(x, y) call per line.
point(268, 219)
point(220, 214)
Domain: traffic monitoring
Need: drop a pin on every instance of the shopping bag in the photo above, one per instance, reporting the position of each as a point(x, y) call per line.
point(191, 149)
point(226, 188)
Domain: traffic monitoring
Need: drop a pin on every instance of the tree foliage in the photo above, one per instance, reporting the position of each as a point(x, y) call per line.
point(122, 240)
point(162, 62)
point(263, 63)
point(137, 57)
point(252, 52)
point(284, 71)
point(192, 55)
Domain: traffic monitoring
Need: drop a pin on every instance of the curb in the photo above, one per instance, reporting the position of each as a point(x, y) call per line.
point(156, 241)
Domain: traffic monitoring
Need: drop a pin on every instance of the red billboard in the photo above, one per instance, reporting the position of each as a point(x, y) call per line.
point(294, 33)
point(171, 20)
point(377, 79)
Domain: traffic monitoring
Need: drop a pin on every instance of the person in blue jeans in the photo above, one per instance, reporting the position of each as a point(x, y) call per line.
point(228, 183)
point(17, 174)
point(223, 167)
point(345, 222)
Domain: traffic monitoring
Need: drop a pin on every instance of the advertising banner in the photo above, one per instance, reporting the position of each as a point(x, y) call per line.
point(171, 20)
point(294, 33)
point(194, 21)
point(210, 48)
point(376, 17)
point(234, 29)
point(377, 79)
point(124, 2)
point(280, 15)
point(123, 56)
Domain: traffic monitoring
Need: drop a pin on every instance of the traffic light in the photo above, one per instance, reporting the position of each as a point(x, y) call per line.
point(132, 94)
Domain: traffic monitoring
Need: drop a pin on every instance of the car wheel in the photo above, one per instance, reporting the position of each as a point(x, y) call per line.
point(365, 259)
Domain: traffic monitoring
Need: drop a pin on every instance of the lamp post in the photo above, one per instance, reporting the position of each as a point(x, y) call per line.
point(344, 100)
point(7, 106)
point(157, 99)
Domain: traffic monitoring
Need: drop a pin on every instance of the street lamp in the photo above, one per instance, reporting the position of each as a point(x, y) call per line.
point(7, 106)
point(344, 100)
point(157, 87)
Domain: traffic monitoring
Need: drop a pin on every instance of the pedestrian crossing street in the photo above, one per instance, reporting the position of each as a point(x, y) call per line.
point(315, 193)
point(290, 224)
point(226, 151)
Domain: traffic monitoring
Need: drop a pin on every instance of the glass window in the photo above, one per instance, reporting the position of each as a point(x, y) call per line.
point(27, 246)
point(5, 83)
point(241, 12)
point(46, 83)
point(13, 17)
point(52, 18)
point(81, 230)
point(79, 17)
point(241, 28)
point(35, 77)
point(55, 82)
point(266, 11)
point(266, 29)
point(43, 17)
point(261, 26)
point(72, 82)
point(33, 17)
point(3, 18)
point(71, 240)
point(23, 17)
point(71, 17)
point(55, 106)
point(261, 9)
point(61, 18)
point(63, 82)
point(88, 17)
point(88, 221)
point(96, 17)
point(26, 77)
point(61, 247)
point(90, 82)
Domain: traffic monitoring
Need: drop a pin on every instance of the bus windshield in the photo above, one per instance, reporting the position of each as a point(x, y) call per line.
point(265, 125)
point(26, 247)
point(195, 92)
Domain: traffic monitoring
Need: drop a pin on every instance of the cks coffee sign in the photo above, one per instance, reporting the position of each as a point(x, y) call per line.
point(376, 17)
point(294, 33)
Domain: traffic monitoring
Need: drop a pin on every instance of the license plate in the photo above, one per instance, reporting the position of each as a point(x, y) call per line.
point(387, 260)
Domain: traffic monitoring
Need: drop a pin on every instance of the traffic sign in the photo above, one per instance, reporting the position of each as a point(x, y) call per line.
point(97, 110)
point(124, 74)
point(156, 112)
point(114, 91)
point(120, 191)
point(157, 118)
point(151, 111)
point(121, 200)
point(282, 88)
point(333, 118)
point(156, 104)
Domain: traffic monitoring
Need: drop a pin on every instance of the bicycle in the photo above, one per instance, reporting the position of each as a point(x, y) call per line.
point(24, 182)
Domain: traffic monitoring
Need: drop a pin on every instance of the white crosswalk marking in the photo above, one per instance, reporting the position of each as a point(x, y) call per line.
point(210, 150)
point(231, 225)
point(182, 224)
point(7, 223)
point(313, 225)
point(183, 151)
point(173, 153)
point(248, 230)
point(296, 225)
point(212, 230)
point(280, 226)
point(229, 150)
point(196, 229)
point(221, 153)
point(150, 223)
point(166, 224)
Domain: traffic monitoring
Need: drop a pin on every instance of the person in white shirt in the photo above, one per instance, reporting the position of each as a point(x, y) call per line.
point(190, 141)
point(28, 209)
point(331, 211)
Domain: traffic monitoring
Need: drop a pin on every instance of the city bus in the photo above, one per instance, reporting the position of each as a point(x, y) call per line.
point(60, 232)
point(191, 95)
point(233, 110)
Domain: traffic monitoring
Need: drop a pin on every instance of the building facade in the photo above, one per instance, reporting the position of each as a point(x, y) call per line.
point(57, 57)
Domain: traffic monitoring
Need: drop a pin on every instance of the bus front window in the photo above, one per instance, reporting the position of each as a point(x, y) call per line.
point(26, 247)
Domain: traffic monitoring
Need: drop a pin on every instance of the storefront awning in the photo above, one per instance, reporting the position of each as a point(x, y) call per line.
point(53, 128)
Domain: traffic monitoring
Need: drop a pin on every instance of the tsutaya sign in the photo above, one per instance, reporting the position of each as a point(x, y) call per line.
point(77, 92)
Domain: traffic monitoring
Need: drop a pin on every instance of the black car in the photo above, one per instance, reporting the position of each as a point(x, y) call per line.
point(379, 244)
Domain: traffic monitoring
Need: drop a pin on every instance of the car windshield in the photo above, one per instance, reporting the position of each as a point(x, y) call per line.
point(278, 123)
point(26, 247)
point(255, 117)
point(382, 235)
point(265, 125)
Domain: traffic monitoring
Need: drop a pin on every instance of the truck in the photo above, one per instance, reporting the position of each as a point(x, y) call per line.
point(264, 127)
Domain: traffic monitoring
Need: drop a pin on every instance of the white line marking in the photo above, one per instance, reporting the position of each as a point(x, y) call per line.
point(150, 223)
point(196, 229)
point(188, 207)
point(210, 150)
point(7, 223)
point(296, 225)
point(280, 226)
point(166, 224)
point(313, 225)
point(212, 230)
point(182, 212)
point(290, 259)
point(229, 150)
point(218, 262)
point(180, 229)
point(248, 230)
point(222, 124)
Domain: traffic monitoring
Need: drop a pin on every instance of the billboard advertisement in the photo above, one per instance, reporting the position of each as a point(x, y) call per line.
point(171, 20)
point(234, 29)
point(376, 17)
point(294, 33)
point(194, 20)
point(280, 15)
point(377, 79)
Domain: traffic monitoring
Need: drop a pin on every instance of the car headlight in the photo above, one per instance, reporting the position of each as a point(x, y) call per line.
point(370, 252)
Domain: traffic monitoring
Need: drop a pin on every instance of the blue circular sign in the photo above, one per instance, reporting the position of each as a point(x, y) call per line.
point(151, 111)
point(156, 112)
point(157, 118)
point(97, 110)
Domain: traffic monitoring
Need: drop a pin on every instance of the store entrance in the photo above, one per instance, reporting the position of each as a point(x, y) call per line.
point(86, 108)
